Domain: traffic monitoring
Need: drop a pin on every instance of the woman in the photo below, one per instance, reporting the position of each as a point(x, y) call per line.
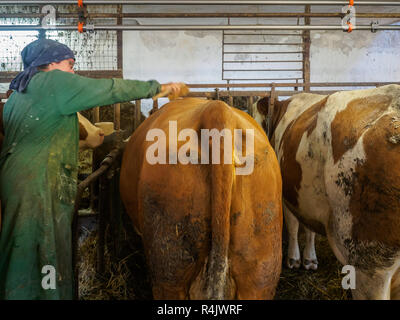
point(38, 161)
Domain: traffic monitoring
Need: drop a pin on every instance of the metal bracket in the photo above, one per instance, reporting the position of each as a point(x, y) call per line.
point(349, 19)
point(89, 27)
point(374, 26)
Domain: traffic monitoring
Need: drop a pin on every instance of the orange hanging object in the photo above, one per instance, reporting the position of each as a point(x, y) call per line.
point(351, 3)
point(350, 27)
point(80, 3)
point(80, 27)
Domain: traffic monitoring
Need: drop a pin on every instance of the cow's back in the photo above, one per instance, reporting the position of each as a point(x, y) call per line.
point(175, 209)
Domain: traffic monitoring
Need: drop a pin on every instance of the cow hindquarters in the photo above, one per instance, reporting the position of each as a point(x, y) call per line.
point(256, 229)
point(174, 202)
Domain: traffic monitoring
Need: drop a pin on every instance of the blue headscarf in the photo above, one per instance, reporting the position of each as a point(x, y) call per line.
point(39, 53)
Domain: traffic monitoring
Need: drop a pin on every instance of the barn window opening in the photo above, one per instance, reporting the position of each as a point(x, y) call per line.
point(96, 52)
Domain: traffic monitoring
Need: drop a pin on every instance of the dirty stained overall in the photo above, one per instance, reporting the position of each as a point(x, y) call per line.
point(39, 176)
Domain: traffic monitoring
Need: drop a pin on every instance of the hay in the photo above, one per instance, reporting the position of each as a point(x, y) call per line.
point(126, 279)
point(113, 284)
point(85, 161)
point(125, 274)
point(322, 284)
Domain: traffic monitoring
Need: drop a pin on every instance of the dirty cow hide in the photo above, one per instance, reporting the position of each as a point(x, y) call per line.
point(339, 157)
point(208, 233)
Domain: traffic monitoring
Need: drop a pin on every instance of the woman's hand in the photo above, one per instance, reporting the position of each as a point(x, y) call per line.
point(172, 88)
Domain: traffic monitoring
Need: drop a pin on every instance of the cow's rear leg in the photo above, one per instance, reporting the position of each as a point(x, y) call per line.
point(310, 261)
point(292, 226)
point(374, 286)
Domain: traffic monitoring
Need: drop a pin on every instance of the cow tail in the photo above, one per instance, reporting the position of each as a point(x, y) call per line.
point(222, 176)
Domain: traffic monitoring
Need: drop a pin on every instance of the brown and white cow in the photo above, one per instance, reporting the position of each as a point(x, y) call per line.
point(208, 233)
point(339, 157)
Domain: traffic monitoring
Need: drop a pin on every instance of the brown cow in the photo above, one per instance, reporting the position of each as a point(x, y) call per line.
point(208, 232)
point(339, 156)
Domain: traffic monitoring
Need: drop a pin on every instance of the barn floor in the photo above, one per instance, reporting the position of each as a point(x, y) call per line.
point(128, 279)
point(322, 284)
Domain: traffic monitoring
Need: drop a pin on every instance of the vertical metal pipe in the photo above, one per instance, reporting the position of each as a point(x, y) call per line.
point(223, 55)
point(119, 40)
point(306, 50)
point(111, 216)
point(102, 224)
point(75, 239)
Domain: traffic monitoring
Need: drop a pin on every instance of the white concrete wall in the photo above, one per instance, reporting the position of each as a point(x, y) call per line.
point(195, 57)
point(190, 57)
point(357, 57)
point(173, 55)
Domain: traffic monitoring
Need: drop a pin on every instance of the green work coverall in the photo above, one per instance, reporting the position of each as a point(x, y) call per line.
point(38, 177)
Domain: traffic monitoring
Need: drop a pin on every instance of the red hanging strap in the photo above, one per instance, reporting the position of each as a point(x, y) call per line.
point(351, 27)
point(80, 3)
point(80, 27)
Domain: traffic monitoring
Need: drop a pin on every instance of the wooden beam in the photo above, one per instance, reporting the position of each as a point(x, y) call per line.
point(311, 84)
point(117, 116)
point(137, 115)
point(96, 114)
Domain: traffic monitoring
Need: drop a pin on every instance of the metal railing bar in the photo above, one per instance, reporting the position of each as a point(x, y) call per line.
point(264, 61)
point(264, 44)
point(263, 52)
point(263, 70)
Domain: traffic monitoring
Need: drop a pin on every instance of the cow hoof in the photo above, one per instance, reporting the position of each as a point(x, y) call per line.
point(310, 264)
point(293, 263)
